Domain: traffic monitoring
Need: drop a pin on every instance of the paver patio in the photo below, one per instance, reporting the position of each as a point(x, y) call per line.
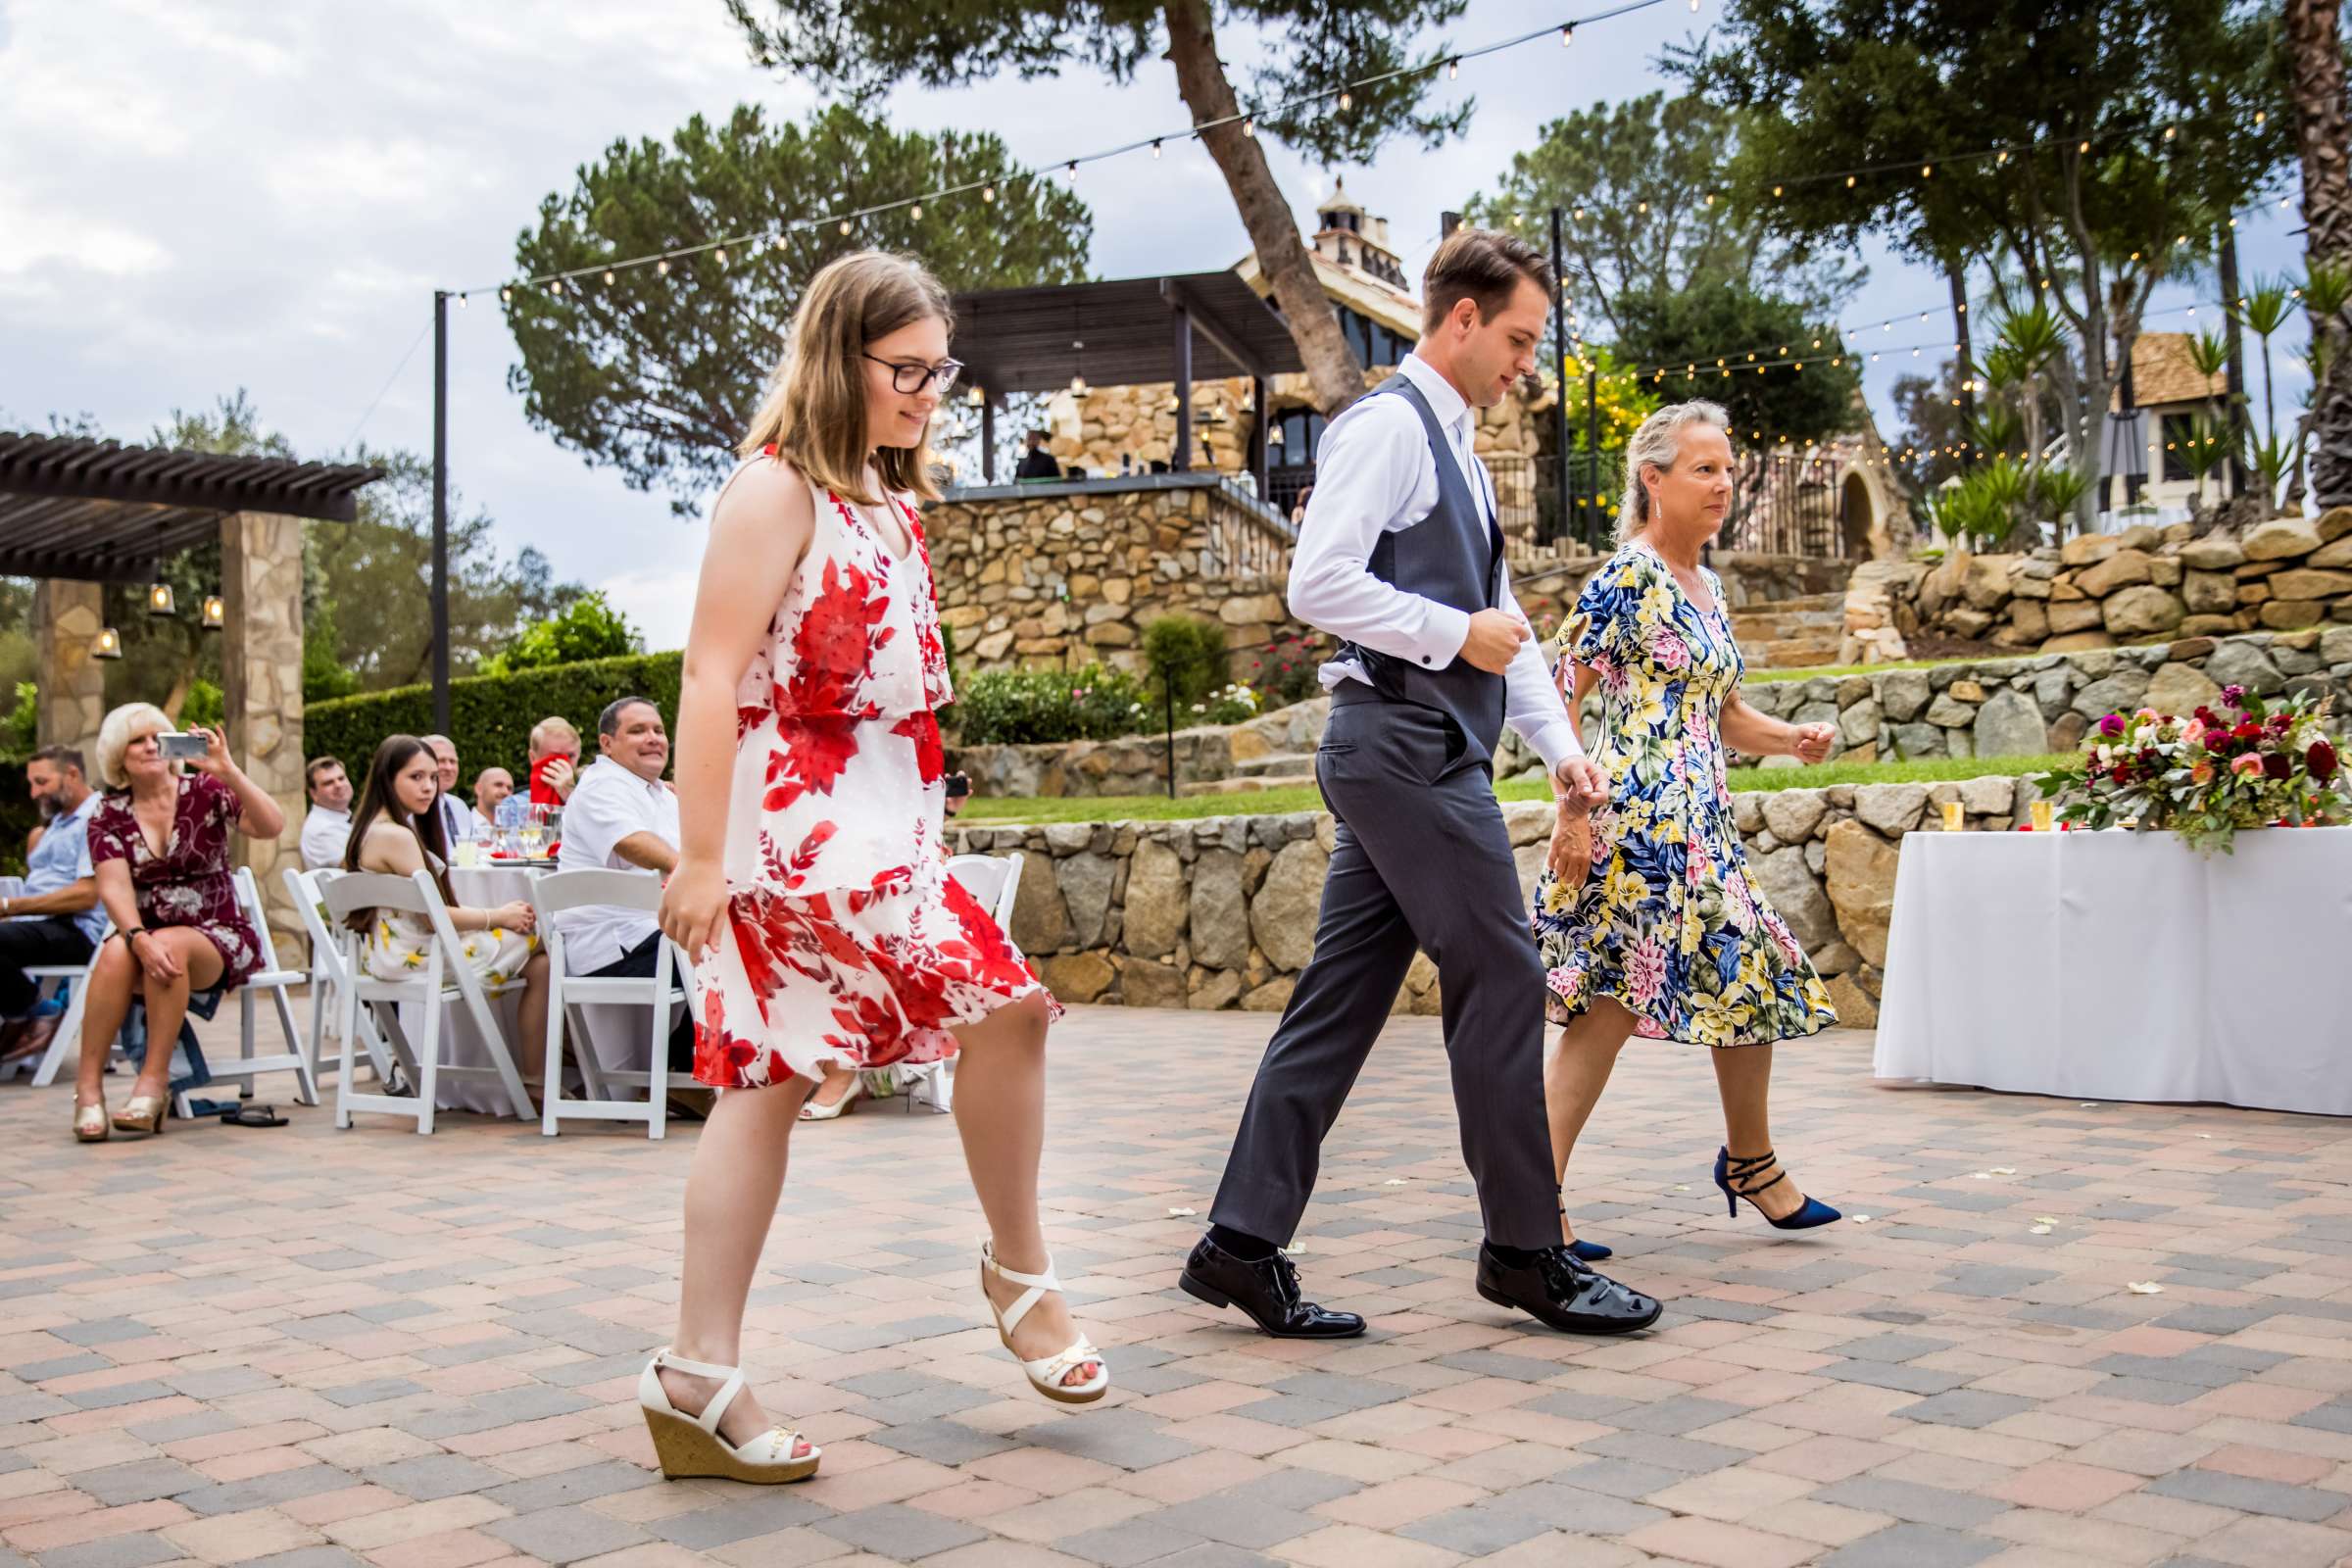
point(311, 1348)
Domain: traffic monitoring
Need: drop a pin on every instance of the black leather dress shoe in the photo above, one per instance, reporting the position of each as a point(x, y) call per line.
point(1564, 1290)
point(1268, 1291)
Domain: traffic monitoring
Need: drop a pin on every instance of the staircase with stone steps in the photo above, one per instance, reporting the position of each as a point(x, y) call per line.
point(1272, 771)
point(1790, 633)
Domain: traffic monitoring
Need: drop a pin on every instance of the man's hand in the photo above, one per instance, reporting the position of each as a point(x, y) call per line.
point(1580, 784)
point(1495, 638)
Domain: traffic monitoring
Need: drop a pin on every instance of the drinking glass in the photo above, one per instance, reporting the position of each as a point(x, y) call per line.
point(2041, 814)
point(1951, 816)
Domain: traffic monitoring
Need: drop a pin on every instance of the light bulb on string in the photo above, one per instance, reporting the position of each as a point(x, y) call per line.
point(1453, 69)
point(1776, 190)
point(2083, 148)
point(663, 266)
point(1849, 182)
point(914, 214)
point(1156, 149)
point(845, 226)
point(1567, 35)
point(1250, 126)
point(2260, 116)
point(1069, 171)
point(1926, 171)
point(1346, 102)
point(506, 296)
point(722, 255)
point(607, 277)
point(2168, 132)
point(1710, 198)
point(988, 193)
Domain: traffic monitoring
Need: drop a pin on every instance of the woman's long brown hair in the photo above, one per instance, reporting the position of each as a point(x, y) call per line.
point(814, 411)
point(378, 799)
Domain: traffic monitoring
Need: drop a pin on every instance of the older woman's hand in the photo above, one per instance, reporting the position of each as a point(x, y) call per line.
point(1571, 854)
point(216, 759)
point(1813, 742)
point(157, 959)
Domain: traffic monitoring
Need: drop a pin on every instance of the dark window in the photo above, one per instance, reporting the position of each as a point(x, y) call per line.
point(1301, 430)
point(1374, 343)
point(2176, 431)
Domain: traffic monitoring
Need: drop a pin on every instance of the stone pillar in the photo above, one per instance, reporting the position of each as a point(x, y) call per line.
point(65, 620)
point(260, 679)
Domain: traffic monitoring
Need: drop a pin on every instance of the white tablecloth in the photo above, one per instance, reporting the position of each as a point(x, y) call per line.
point(618, 1033)
point(2125, 967)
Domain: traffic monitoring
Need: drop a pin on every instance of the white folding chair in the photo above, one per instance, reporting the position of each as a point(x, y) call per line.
point(993, 881)
point(327, 980)
point(51, 978)
point(667, 986)
point(274, 980)
point(445, 978)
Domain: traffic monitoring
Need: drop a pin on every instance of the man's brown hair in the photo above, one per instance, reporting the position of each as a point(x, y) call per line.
point(1485, 266)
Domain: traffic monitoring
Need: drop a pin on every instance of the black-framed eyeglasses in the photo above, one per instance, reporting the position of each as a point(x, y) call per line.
point(912, 379)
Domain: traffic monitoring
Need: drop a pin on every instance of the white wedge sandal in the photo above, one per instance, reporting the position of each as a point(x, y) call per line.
point(690, 1444)
point(1046, 1373)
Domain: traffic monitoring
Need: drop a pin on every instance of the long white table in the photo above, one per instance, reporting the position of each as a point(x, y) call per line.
point(2125, 968)
point(618, 1033)
point(2123, 965)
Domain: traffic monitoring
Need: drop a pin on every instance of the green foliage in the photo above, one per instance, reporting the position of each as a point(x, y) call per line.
point(491, 715)
point(657, 374)
point(1189, 653)
point(1677, 328)
point(1639, 186)
point(2056, 488)
point(587, 628)
point(1933, 427)
point(1982, 506)
point(860, 48)
point(325, 675)
point(21, 729)
point(1026, 707)
point(206, 704)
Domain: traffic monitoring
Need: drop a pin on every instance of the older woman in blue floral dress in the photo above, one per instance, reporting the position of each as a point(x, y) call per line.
point(1648, 917)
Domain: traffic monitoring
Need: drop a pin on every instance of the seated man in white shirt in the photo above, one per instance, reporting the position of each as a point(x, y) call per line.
point(491, 786)
point(621, 817)
point(327, 828)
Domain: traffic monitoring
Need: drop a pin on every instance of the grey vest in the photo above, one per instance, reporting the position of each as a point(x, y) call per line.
point(1454, 557)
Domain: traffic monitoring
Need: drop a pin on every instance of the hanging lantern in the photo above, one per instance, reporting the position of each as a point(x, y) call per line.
point(215, 611)
point(158, 599)
point(109, 644)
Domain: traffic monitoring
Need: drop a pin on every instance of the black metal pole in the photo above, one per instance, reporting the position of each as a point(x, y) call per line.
point(440, 585)
point(1181, 461)
point(1559, 356)
point(988, 439)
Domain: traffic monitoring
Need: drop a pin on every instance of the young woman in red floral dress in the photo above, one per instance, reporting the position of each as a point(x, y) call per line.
point(810, 887)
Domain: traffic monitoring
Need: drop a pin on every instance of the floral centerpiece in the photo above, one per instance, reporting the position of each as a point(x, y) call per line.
point(2207, 775)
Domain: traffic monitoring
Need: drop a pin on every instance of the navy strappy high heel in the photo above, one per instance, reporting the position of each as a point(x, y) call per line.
point(1734, 1174)
point(1589, 1252)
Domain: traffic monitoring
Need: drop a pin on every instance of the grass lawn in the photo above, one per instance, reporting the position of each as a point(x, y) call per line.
point(1809, 671)
point(1304, 798)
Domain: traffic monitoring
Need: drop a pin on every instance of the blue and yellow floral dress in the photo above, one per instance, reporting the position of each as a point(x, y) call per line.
point(1669, 922)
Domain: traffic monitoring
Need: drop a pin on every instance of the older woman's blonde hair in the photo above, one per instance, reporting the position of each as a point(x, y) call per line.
point(1656, 445)
point(814, 411)
point(122, 726)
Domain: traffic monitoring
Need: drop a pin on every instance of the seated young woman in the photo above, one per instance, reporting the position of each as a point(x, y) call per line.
point(395, 832)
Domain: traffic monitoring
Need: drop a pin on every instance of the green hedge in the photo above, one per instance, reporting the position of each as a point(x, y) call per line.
point(490, 716)
point(18, 815)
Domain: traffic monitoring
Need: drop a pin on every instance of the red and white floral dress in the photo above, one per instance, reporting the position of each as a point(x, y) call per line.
point(845, 940)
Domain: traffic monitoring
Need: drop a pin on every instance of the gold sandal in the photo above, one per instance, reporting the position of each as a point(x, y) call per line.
point(89, 1123)
point(144, 1113)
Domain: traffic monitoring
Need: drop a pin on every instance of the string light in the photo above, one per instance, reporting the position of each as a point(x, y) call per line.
point(1156, 149)
point(1926, 169)
point(607, 277)
point(1567, 35)
point(1346, 102)
point(1250, 128)
point(1849, 182)
point(460, 302)
point(1071, 169)
point(506, 296)
point(988, 193)
point(915, 212)
point(1776, 190)
point(663, 266)
point(1453, 69)
point(722, 256)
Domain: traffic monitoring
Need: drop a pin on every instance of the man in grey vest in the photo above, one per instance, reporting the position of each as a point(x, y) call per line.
point(1400, 558)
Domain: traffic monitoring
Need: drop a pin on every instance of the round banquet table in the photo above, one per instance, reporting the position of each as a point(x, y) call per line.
point(618, 1033)
point(2120, 965)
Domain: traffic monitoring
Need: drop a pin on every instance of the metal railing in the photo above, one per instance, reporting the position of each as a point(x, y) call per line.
point(1781, 505)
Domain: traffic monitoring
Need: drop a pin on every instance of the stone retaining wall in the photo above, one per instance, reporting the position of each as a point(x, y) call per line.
point(2015, 707)
point(1221, 912)
point(1065, 578)
point(2099, 590)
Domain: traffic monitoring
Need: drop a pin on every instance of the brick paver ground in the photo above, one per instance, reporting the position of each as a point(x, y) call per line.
point(306, 1347)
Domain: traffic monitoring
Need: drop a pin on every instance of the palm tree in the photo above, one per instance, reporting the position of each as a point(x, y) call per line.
point(2326, 295)
point(2033, 337)
point(2264, 311)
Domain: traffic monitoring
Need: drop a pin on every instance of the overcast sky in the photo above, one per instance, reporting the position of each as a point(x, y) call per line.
point(263, 194)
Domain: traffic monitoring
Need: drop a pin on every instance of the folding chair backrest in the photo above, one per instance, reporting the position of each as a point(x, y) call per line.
point(310, 906)
point(249, 899)
point(991, 879)
point(557, 891)
point(347, 893)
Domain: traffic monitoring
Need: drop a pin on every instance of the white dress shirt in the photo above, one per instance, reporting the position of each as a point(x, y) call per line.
point(607, 804)
point(324, 834)
point(1375, 474)
point(457, 820)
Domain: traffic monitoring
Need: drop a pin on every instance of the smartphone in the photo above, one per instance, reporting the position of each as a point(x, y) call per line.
point(179, 748)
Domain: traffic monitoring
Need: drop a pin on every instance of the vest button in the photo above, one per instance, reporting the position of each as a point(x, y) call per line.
point(1425, 658)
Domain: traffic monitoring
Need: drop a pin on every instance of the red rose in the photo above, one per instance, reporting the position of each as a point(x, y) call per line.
point(2122, 773)
point(2320, 760)
point(2276, 766)
point(2247, 731)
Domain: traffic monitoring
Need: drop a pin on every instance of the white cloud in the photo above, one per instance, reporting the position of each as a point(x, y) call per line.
point(659, 601)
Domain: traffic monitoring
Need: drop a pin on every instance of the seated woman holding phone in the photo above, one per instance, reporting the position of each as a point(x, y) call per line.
point(159, 847)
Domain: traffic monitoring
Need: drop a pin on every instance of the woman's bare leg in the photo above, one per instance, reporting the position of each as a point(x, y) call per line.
point(113, 980)
point(1744, 1075)
point(1575, 1071)
point(200, 968)
point(731, 1193)
point(531, 1019)
point(1000, 1115)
